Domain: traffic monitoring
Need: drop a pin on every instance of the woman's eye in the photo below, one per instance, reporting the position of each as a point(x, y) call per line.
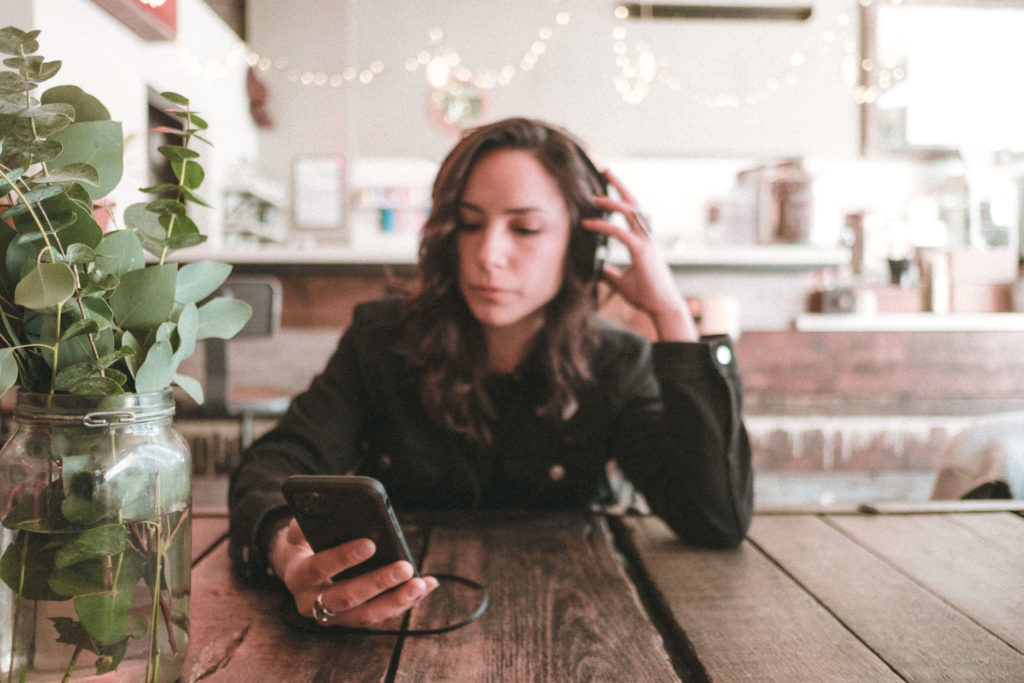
point(525, 229)
point(466, 226)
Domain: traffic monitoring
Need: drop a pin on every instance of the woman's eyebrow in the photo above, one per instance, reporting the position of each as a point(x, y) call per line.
point(514, 210)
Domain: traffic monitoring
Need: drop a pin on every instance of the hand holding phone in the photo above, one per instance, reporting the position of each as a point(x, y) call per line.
point(332, 510)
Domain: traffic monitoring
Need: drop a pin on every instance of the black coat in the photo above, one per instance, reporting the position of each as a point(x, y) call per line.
point(667, 413)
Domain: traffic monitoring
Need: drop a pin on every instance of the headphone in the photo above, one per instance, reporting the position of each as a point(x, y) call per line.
point(590, 265)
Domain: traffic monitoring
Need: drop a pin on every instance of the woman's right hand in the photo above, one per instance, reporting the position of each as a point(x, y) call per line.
point(358, 602)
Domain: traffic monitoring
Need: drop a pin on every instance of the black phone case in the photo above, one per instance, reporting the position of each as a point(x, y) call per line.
point(332, 510)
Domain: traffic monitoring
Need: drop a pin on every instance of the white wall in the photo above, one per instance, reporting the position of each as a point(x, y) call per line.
point(573, 81)
point(205, 63)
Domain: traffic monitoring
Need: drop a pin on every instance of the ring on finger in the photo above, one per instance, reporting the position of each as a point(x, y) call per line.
point(321, 613)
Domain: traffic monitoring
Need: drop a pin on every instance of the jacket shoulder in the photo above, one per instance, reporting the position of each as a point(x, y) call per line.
point(377, 314)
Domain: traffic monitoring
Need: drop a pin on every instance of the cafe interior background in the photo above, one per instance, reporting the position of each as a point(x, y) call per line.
point(836, 183)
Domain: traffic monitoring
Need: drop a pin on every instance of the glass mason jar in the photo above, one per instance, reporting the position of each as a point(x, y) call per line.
point(95, 541)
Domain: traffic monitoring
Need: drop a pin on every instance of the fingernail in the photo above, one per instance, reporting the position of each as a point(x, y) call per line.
point(364, 550)
point(401, 573)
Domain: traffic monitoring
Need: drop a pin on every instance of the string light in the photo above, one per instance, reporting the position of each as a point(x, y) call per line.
point(639, 68)
point(443, 65)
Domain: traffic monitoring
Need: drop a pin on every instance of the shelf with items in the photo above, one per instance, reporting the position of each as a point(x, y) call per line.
point(255, 210)
point(387, 214)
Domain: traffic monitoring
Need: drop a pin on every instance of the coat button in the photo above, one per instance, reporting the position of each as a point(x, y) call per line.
point(556, 473)
point(724, 354)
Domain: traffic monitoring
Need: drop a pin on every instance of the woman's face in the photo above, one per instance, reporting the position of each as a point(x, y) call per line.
point(512, 237)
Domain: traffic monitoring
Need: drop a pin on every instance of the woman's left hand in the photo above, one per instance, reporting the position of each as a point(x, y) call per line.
point(647, 282)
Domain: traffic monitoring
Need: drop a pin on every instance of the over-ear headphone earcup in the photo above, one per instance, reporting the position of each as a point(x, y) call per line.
point(591, 269)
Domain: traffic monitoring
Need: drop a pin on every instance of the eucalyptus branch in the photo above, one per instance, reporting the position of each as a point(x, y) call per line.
point(26, 203)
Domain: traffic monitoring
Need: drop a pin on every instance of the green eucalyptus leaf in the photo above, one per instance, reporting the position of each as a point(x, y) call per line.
point(11, 105)
point(73, 173)
point(197, 121)
point(157, 370)
point(97, 386)
point(79, 253)
point(47, 120)
point(133, 360)
point(90, 574)
point(112, 655)
point(222, 318)
point(167, 207)
point(46, 70)
point(75, 374)
point(40, 111)
point(147, 226)
point(12, 175)
point(11, 82)
point(74, 633)
point(98, 143)
point(86, 107)
point(110, 539)
point(41, 193)
point(187, 331)
point(162, 188)
point(13, 211)
point(169, 95)
point(181, 232)
point(8, 370)
point(48, 284)
point(83, 326)
point(191, 386)
point(200, 279)
point(20, 63)
point(80, 348)
point(145, 298)
point(177, 152)
point(192, 177)
point(164, 332)
point(14, 41)
point(119, 252)
point(11, 41)
point(101, 282)
point(28, 152)
point(104, 615)
point(70, 212)
point(194, 198)
point(29, 550)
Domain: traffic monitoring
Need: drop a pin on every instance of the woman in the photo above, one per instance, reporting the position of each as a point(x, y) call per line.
point(496, 386)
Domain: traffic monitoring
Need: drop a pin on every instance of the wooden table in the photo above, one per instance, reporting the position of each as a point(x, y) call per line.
point(927, 593)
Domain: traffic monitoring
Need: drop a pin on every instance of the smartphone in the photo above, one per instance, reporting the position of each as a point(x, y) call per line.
point(333, 509)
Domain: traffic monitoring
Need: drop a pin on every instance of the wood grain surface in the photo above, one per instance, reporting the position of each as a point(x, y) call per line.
point(745, 618)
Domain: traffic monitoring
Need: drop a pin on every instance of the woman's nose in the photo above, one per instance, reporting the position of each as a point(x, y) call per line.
point(493, 250)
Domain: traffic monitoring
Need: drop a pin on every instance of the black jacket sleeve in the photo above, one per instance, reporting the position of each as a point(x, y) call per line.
point(680, 439)
point(319, 434)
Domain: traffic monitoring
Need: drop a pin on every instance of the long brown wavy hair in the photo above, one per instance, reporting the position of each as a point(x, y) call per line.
point(445, 344)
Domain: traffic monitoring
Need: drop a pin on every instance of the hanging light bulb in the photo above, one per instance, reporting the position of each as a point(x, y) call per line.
point(438, 72)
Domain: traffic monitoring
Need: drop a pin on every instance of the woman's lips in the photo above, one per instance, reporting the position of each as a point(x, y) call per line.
point(488, 292)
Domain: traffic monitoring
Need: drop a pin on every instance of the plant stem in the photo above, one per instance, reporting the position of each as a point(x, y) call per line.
point(18, 605)
point(71, 664)
point(153, 663)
